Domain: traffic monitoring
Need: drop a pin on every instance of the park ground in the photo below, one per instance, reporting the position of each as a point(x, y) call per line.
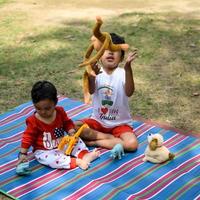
point(46, 40)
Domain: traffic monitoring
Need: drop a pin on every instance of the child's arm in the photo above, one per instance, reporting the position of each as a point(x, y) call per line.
point(92, 79)
point(28, 139)
point(129, 80)
point(23, 167)
point(68, 124)
point(22, 156)
point(71, 131)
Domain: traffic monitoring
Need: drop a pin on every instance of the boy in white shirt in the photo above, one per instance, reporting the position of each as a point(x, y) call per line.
point(110, 122)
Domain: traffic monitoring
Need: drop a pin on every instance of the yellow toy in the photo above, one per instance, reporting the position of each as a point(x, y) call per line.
point(101, 41)
point(70, 141)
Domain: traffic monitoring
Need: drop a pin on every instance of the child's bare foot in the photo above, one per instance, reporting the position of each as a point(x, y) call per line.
point(89, 157)
point(82, 164)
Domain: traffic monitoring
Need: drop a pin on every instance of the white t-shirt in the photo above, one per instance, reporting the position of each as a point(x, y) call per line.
point(110, 102)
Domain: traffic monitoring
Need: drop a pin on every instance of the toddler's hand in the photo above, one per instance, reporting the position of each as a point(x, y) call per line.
point(22, 158)
point(71, 132)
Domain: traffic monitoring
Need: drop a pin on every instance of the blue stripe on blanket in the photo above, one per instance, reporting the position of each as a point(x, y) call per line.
point(128, 178)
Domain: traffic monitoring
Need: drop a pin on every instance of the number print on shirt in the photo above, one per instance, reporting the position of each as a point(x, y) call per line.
point(48, 142)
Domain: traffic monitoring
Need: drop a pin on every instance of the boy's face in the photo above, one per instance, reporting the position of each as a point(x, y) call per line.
point(111, 59)
point(45, 108)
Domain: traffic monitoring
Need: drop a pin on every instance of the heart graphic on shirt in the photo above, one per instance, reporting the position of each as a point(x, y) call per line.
point(104, 110)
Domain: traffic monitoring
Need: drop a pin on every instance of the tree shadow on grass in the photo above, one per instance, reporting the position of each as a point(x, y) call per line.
point(168, 71)
point(49, 56)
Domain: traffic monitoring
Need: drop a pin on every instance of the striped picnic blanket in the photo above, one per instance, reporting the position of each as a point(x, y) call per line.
point(128, 178)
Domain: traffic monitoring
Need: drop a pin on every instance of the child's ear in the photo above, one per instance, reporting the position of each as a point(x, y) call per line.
point(56, 101)
point(122, 58)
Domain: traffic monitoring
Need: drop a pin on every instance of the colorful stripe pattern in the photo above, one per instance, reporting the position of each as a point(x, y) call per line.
point(128, 178)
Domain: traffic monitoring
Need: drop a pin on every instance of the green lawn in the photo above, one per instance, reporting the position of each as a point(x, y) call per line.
point(167, 71)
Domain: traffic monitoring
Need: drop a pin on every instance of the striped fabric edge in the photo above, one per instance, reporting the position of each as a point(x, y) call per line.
point(147, 123)
point(32, 183)
point(60, 187)
point(8, 195)
point(167, 126)
point(89, 187)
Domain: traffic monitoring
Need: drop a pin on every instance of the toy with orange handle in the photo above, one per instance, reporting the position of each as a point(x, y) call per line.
point(70, 141)
point(100, 41)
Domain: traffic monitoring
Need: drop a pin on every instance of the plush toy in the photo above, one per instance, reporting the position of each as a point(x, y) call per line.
point(70, 141)
point(100, 41)
point(117, 152)
point(23, 169)
point(155, 151)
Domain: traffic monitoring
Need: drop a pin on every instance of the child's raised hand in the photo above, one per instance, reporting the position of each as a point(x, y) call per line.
point(131, 57)
point(96, 68)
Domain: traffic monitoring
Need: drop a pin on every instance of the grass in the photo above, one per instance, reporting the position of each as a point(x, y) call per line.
point(166, 73)
point(3, 2)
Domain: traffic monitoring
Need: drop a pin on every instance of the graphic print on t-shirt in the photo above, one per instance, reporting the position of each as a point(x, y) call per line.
point(106, 111)
point(59, 132)
point(48, 142)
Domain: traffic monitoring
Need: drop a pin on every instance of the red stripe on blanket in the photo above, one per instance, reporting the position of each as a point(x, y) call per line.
point(113, 175)
point(133, 181)
point(167, 179)
point(166, 126)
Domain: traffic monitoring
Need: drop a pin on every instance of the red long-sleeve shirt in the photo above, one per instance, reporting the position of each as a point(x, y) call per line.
point(40, 135)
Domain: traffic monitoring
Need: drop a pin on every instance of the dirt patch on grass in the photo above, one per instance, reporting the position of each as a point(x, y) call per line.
point(48, 12)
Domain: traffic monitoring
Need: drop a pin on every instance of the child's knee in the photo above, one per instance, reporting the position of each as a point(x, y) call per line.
point(131, 145)
point(87, 133)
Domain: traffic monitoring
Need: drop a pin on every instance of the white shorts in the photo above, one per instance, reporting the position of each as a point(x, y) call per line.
point(55, 158)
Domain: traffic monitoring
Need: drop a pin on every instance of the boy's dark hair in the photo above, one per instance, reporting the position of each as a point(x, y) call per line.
point(116, 39)
point(42, 90)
